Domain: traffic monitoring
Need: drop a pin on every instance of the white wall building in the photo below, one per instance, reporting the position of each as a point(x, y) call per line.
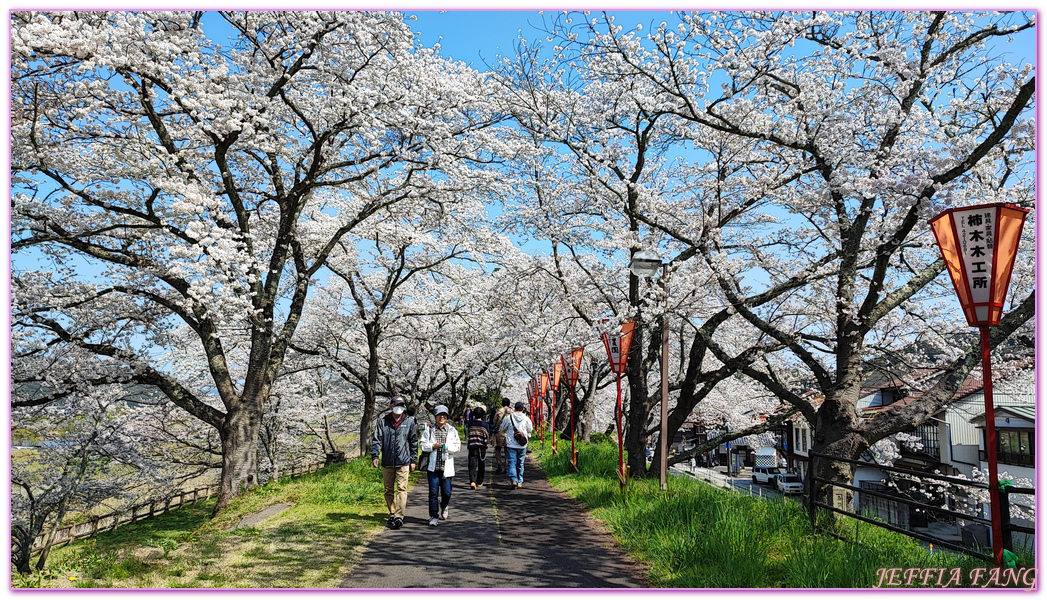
point(952, 442)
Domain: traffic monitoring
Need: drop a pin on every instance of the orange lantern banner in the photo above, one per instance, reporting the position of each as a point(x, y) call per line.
point(979, 245)
point(557, 373)
point(572, 366)
point(617, 346)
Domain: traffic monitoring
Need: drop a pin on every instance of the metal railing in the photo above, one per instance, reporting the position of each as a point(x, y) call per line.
point(972, 547)
point(1010, 458)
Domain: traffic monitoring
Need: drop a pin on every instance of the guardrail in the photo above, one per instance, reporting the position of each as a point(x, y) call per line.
point(972, 547)
point(69, 533)
point(706, 475)
point(65, 535)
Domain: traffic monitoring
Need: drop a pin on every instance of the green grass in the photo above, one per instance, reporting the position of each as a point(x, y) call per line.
point(696, 535)
point(693, 536)
point(313, 544)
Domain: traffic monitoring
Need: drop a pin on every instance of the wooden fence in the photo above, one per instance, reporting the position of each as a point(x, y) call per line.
point(86, 529)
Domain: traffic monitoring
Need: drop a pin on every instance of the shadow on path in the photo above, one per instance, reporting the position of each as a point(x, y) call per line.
point(496, 537)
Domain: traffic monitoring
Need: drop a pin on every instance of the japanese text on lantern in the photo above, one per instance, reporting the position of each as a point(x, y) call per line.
point(975, 231)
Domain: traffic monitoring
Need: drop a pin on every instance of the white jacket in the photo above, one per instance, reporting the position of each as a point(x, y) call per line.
point(519, 421)
point(454, 444)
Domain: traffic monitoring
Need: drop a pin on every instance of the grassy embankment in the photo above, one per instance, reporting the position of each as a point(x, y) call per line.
point(697, 535)
point(694, 536)
point(313, 544)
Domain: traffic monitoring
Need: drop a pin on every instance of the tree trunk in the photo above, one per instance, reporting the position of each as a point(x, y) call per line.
point(370, 391)
point(845, 444)
point(562, 416)
point(267, 439)
point(638, 411)
point(838, 433)
point(239, 434)
point(587, 408)
point(366, 427)
point(23, 545)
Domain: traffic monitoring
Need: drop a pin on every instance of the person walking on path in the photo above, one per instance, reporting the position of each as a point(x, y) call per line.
point(517, 428)
point(477, 432)
point(396, 440)
point(442, 442)
point(500, 454)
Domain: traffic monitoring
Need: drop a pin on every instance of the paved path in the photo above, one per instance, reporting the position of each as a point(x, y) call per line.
point(496, 537)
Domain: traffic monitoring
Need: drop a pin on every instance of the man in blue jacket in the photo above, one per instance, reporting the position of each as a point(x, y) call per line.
point(396, 439)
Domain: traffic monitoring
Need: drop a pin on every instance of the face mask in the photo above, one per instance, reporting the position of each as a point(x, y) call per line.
point(398, 410)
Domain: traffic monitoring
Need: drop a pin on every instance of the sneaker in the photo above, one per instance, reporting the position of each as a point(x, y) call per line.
point(397, 523)
point(472, 485)
point(512, 485)
point(479, 485)
point(390, 521)
point(519, 484)
point(443, 514)
point(433, 522)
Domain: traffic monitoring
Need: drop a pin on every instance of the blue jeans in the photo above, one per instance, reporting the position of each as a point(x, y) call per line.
point(438, 486)
point(516, 463)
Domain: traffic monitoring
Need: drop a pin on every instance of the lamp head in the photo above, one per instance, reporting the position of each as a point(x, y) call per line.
point(645, 263)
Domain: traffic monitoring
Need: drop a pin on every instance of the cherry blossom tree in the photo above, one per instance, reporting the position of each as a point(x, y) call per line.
point(608, 177)
point(173, 180)
point(91, 448)
point(846, 131)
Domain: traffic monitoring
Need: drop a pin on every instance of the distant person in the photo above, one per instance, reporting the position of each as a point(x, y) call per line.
point(396, 440)
point(477, 434)
point(516, 445)
point(442, 442)
point(500, 453)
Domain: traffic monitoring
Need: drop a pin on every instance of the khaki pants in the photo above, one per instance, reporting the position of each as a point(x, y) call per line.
point(395, 481)
point(500, 462)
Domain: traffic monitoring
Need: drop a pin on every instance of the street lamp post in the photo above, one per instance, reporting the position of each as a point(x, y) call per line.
point(979, 245)
point(645, 264)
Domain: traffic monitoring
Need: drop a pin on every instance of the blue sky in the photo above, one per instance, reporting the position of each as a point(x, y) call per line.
point(473, 36)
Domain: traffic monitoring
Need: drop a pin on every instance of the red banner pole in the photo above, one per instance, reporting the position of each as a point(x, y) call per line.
point(552, 418)
point(542, 403)
point(621, 447)
point(990, 449)
point(574, 453)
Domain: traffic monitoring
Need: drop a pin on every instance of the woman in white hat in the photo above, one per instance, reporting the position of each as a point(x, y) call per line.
point(442, 441)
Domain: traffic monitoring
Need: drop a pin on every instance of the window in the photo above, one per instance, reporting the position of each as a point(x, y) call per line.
point(1015, 447)
point(888, 395)
point(803, 439)
point(927, 438)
